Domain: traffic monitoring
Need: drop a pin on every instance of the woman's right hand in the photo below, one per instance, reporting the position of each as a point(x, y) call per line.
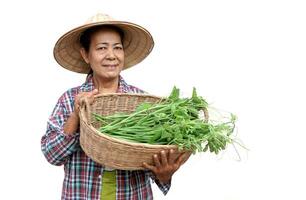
point(72, 123)
point(81, 95)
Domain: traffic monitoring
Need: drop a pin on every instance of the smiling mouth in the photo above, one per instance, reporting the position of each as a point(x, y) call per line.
point(110, 66)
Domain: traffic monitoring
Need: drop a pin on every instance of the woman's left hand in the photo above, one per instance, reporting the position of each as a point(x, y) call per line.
point(165, 164)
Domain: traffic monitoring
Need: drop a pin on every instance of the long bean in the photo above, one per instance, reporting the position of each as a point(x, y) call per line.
point(172, 121)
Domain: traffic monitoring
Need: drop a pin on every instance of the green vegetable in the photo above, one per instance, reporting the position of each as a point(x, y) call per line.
point(173, 121)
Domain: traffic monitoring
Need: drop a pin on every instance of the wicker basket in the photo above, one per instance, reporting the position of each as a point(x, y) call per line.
point(109, 151)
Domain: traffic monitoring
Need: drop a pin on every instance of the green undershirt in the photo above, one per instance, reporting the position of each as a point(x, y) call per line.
point(108, 190)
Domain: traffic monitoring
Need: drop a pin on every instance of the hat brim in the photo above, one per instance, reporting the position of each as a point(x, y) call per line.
point(137, 44)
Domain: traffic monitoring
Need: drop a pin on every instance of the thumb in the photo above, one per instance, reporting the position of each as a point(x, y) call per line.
point(95, 91)
point(92, 95)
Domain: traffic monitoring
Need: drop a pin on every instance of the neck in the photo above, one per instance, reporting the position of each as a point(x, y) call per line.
point(106, 86)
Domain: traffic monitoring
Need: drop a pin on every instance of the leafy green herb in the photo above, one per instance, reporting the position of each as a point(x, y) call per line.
point(173, 121)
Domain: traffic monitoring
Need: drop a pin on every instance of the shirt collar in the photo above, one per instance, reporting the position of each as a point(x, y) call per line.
point(89, 86)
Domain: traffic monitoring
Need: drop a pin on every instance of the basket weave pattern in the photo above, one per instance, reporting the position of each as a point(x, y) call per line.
point(109, 151)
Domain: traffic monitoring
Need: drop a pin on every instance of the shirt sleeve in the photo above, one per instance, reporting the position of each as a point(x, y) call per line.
point(164, 187)
point(55, 144)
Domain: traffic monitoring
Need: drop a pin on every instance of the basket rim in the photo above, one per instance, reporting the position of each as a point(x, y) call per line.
point(121, 141)
point(129, 94)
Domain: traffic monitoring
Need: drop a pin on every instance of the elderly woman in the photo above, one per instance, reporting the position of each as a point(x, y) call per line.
point(101, 48)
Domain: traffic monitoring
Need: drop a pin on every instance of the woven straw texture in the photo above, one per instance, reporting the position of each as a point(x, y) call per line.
point(109, 151)
point(137, 43)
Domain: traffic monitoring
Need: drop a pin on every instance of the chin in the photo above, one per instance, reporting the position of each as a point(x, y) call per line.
point(108, 75)
point(111, 76)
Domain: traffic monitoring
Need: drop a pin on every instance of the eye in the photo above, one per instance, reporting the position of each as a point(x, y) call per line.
point(118, 47)
point(101, 48)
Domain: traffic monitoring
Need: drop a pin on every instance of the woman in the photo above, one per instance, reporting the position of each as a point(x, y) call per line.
point(102, 48)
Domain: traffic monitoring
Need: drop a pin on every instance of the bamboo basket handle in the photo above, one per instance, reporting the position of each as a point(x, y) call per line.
point(84, 110)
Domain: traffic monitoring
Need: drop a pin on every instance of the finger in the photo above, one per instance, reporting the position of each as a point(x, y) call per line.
point(78, 101)
point(77, 107)
point(188, 154)
point(181, 159)
point(164, 159)
point(185, 157)
point(95, 91)
point(150, 167)
point(77, 98)
point(91, 96)
point(81, 99)
point(171, 157)
point(156, 160)
point(88, 95)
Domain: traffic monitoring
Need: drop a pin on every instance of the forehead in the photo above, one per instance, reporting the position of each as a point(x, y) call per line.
point(106, 33)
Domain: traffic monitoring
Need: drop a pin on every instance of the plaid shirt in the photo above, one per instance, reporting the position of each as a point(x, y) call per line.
point(82, 175)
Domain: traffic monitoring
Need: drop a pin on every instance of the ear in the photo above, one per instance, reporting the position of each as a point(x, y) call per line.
point(84, 55)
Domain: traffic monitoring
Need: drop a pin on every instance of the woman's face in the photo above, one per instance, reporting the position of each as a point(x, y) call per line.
point(105, 54)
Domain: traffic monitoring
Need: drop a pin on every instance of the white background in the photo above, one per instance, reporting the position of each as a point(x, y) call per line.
point(243, 56)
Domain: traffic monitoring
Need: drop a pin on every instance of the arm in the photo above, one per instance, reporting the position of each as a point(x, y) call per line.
point(62, 137)
point(164, 187)
point(57, 145)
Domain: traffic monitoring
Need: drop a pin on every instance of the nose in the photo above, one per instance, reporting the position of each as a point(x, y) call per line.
point(110, 54)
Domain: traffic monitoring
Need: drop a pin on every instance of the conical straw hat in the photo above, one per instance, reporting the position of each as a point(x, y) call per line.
point(137, 44)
